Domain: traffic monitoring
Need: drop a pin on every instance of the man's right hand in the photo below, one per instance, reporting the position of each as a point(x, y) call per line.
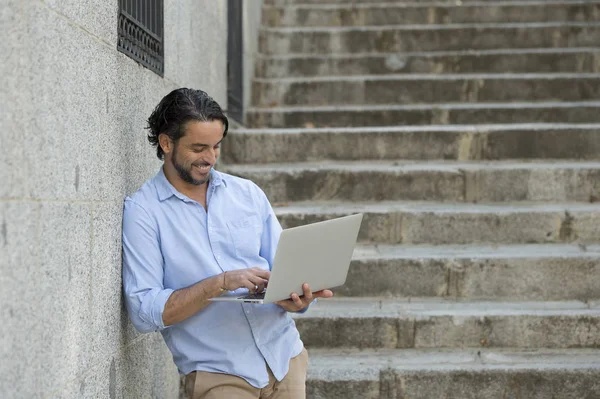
point(255, 279)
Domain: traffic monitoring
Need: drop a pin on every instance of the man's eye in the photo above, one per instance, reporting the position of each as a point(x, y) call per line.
point(217, 147)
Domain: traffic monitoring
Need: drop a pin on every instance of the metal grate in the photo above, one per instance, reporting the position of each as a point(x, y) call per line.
point(235, 64)
point(141, 32)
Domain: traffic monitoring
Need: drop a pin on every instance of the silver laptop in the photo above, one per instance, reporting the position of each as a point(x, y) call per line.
point(318, 254)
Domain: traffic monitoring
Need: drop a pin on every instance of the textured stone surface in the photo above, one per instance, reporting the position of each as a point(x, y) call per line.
point(434, 323)
point(196, 46)
point(417, 89)
point(320, 182)
point(401, 38)
point(13, 76)
point(19, 266)
point(498, 61)
point(453, 374)
point(424, 114)
point(101, 23)
point(391, 14)
point(527, 272)
point(352, 64)
point(433, 224)
point(251, 23)
point(463, 143)
point(378, 181)
point(74, 109)
point(375, 2)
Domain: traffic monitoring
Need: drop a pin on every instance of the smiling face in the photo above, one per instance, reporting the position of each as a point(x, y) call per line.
point(196, 152)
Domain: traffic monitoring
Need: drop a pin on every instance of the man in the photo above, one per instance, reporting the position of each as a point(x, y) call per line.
point(191, 233)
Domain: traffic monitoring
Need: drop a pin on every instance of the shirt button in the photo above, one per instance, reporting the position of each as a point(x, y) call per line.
point(247, 312)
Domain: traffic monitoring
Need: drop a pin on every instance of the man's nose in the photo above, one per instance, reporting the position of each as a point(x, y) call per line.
point(212, 156)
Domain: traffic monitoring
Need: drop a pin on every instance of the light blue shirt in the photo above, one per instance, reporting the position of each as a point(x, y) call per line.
point(170, 242)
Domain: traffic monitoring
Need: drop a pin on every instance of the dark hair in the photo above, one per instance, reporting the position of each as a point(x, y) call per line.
point(176, 109)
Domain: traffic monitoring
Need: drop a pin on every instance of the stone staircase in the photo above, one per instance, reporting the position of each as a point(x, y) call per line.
point(468, 133)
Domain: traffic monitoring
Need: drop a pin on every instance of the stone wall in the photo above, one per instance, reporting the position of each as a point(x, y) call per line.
point(73, 112)
point(251, 22)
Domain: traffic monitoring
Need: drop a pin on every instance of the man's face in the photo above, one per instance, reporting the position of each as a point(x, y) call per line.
point(196, 152)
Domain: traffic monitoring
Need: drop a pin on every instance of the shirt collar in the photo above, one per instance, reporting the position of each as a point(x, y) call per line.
point(166, 190)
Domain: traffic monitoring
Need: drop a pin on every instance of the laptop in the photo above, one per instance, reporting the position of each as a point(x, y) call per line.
point(318, 254)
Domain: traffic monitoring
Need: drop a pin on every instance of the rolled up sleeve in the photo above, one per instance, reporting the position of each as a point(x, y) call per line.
point(143, 273)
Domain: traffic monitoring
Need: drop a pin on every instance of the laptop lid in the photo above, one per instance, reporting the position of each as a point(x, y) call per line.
point(318, 254)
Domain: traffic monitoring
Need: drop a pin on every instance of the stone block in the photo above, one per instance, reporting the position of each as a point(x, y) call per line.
point(548, 141)
point(63, 317)
point(395, 277)
point(427, 324)
point(387, 14)
point(331, 144)
point(16, 109)
point(442, 114)
point(406, 89)
point(567, 183)
point(402, 39)
point(19, 272)
point(68, 141)
point(524, 272)
point(101, 23)
point(547, 61)
point(452, 374)
point(108, 316)
point(530, 383)
point(316, 389)
point(196, 46)
point(344, 182)
point(464, 224)
point(49, 324)
point(508, 331)
point(145, 368)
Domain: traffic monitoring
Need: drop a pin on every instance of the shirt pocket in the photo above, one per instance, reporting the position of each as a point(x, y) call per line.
point(245, 236)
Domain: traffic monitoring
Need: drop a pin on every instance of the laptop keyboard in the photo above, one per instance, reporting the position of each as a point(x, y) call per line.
point(253, 296)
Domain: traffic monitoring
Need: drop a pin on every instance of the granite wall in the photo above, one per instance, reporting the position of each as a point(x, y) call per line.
point(73, 112)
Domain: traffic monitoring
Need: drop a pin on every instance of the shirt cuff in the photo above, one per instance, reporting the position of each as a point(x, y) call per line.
point(158, 308)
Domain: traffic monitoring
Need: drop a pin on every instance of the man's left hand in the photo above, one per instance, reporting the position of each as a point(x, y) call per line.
point(297, 303)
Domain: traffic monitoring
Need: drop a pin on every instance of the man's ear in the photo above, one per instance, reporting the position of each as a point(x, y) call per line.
point(165, 143)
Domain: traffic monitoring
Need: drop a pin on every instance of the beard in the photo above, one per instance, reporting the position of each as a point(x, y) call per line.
point(185, 173)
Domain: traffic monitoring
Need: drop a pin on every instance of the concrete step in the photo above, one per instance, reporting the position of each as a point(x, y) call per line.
point(428, 13)
point(451, 142)
point(437, 323)
point(453, 374)
point(413, 38)
point(438, 224)
point(413, 181)
point(506, 272)
point(581, 60)
point(424, 88)
point(425, 114)
point(298, 3)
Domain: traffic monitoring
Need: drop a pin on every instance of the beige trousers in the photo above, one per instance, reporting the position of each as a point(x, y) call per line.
point(204, 385)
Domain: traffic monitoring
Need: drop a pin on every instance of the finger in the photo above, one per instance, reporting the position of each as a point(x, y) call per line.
point(262, 273)
point(259, 283)
point(323, 294)
point(257, 280)
point(252, 288)
point(308, 296)
point(297, 301)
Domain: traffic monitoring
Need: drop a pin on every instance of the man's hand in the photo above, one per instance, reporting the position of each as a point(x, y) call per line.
point(255, 279)
point(297, 303)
